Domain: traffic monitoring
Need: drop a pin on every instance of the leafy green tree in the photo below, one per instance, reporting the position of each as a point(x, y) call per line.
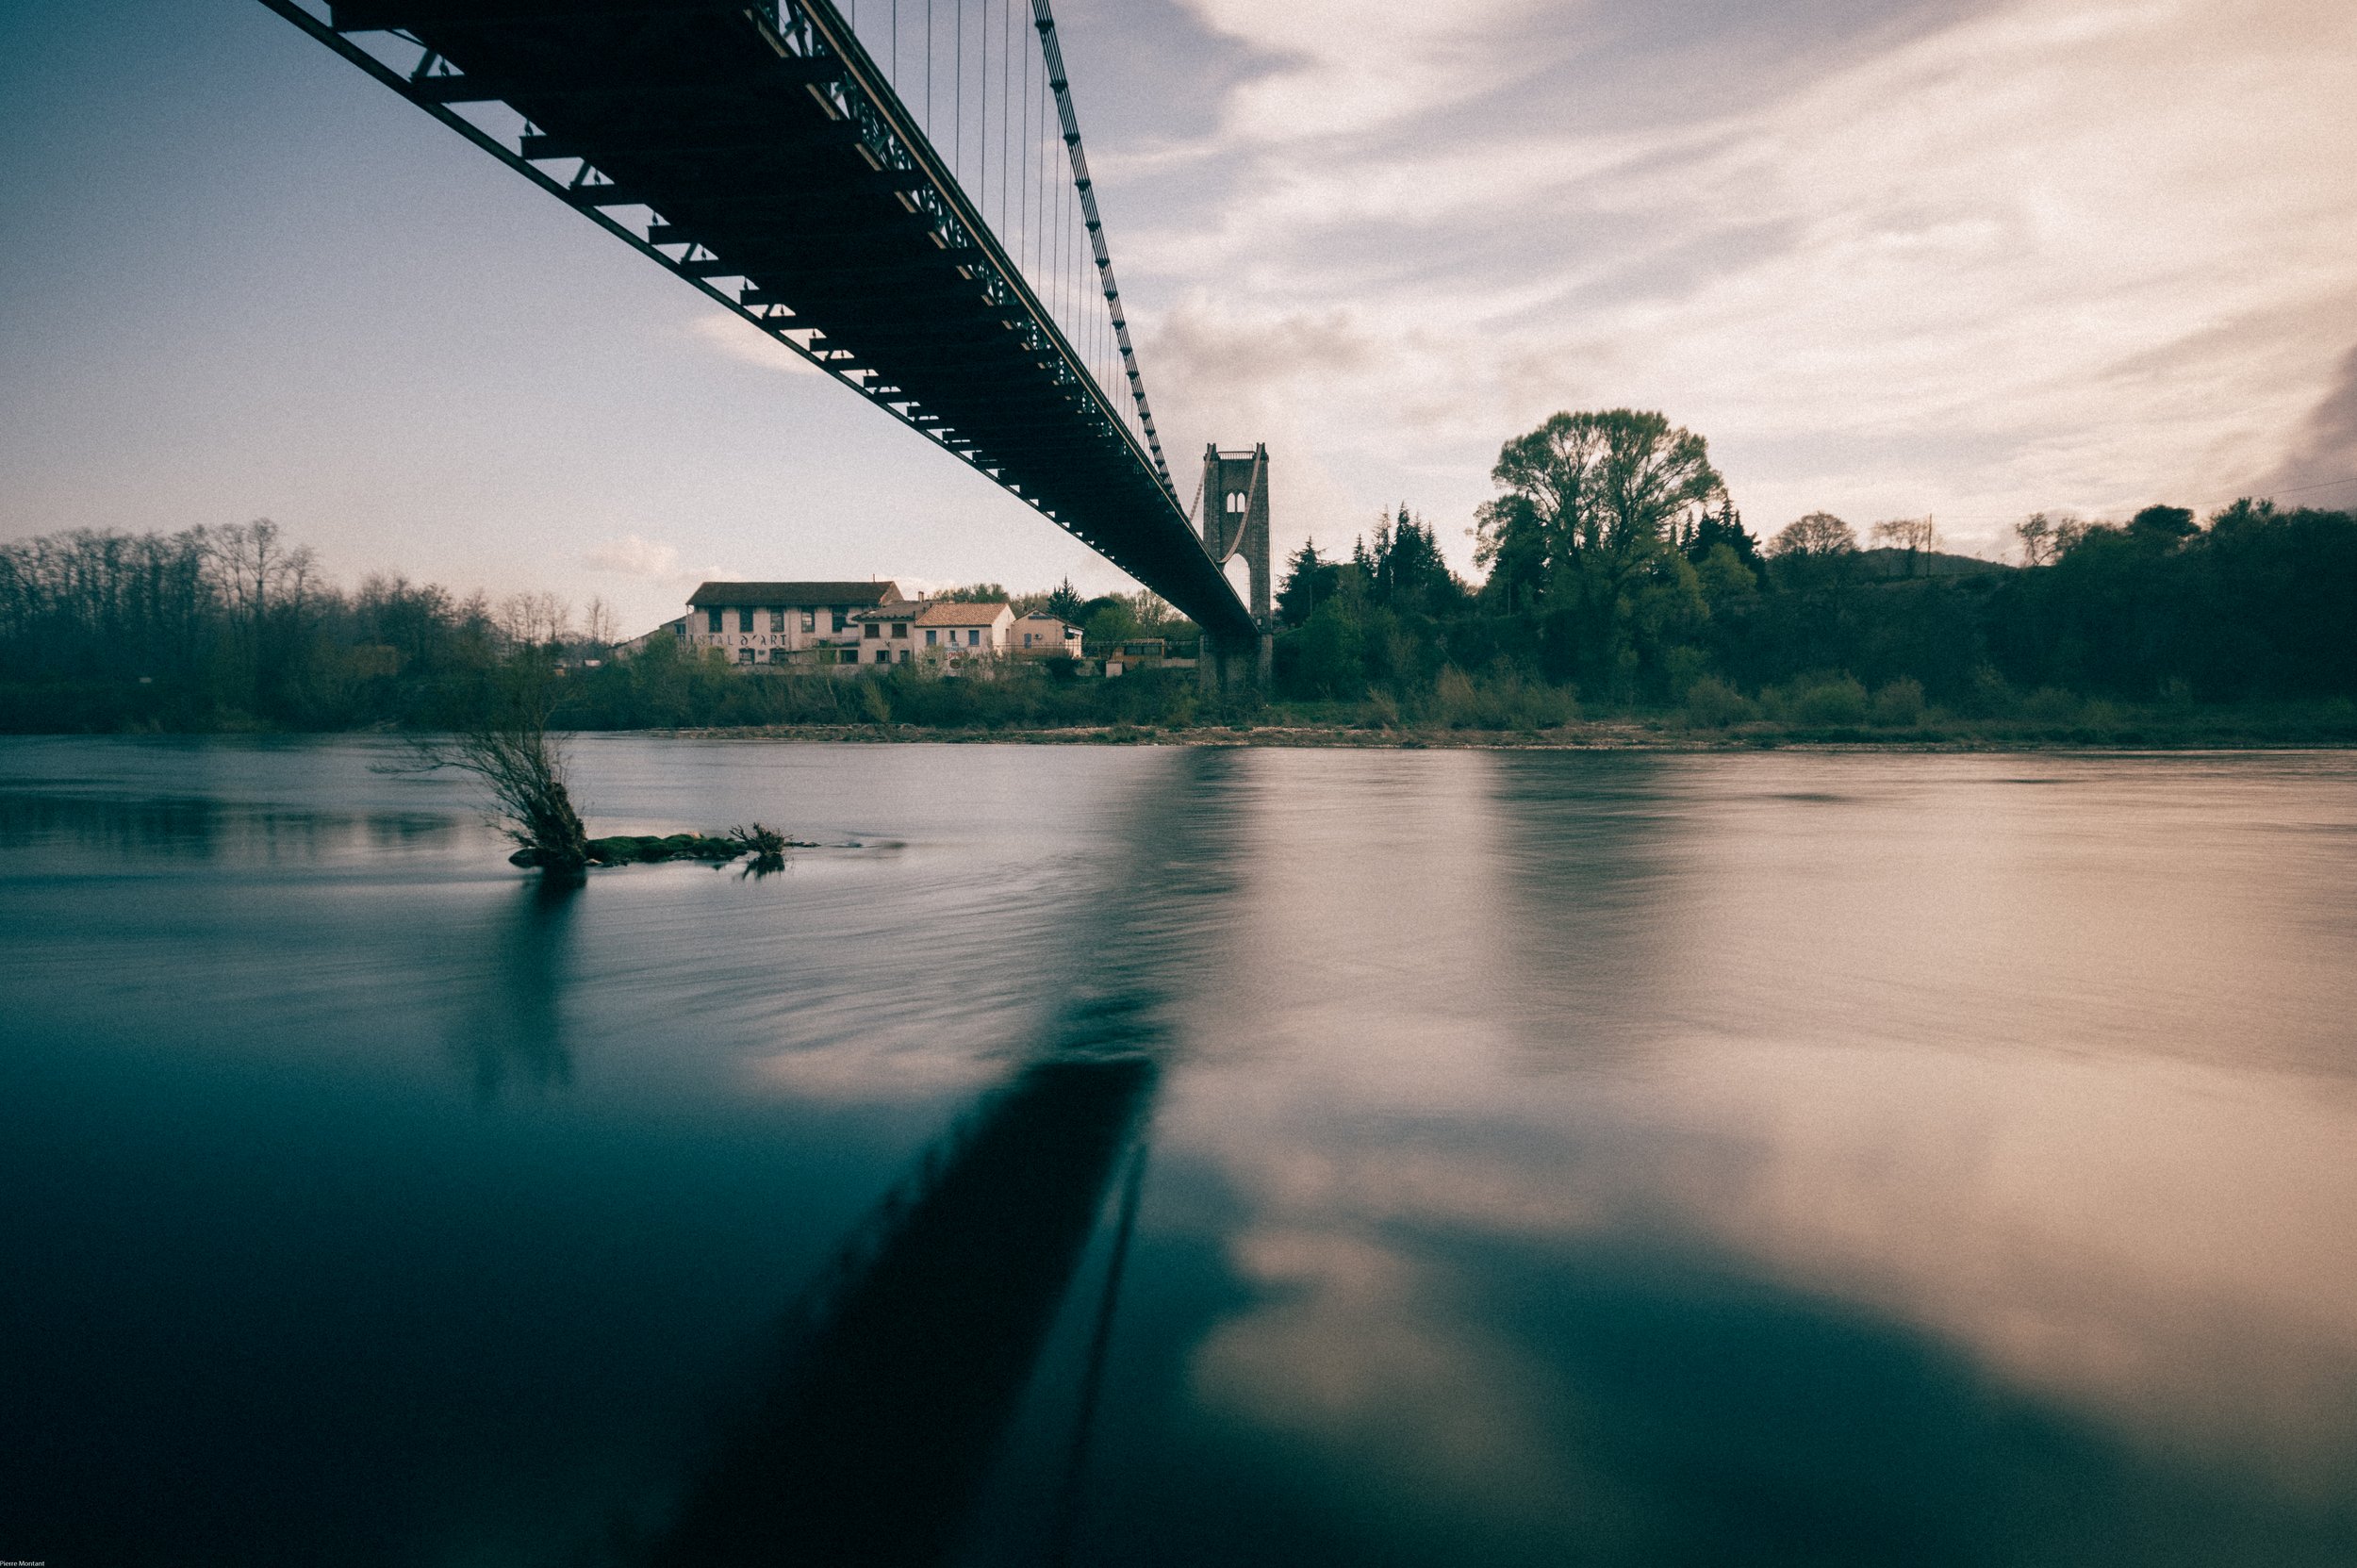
point(1405, 568)
point(1310, 580)
point(2162, 527)
point(1330, 652)
point(1723, 527)
point(1110, 623)
point(1600, 500)
point(1724, 579)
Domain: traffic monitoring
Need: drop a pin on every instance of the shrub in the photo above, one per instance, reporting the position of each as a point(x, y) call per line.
point(1830, 702)
point(1713, 704)
point(2050, 705)
point(1900, 703)
point(1991, 695)
point(1682, 666)
point(1499, 701)
point(1454, 703)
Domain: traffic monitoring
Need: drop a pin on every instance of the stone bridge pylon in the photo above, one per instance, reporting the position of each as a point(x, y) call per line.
point(1235, 522)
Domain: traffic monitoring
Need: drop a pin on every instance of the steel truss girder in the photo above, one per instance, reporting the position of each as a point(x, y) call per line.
point(1004, 391)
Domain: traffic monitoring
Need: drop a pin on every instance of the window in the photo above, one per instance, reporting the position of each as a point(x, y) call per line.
point(873, 629)
point(777, 655)
point(974, 637)
point(900, 629)
point(714, 619)
point(930, 636)
point(777, 621)
point(904, 656)
point(744, 655)
point(744, 620)
point(837, 614)
point(884, 655)
point(810, 622)
point(1236, 501)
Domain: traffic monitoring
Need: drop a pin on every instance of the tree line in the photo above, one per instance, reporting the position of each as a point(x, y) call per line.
point(1618, 568)
point(1616, 575)
point(235, 627)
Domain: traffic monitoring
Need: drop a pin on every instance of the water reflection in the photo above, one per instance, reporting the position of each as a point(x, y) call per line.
point(197, 827)
point(513, 1028)
point(1609, 1267)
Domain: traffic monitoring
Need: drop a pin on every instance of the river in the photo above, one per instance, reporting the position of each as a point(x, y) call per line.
point(1162, 1155)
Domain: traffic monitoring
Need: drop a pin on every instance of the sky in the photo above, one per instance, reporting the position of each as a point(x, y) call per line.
point(1965, 257)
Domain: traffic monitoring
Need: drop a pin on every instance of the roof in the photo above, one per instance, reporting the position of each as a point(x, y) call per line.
point(892, 609)
point(944, 613)
point(781, 595)
point(1052, 620)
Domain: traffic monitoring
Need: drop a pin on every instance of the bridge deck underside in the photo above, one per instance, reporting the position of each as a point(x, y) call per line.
point(690, 109)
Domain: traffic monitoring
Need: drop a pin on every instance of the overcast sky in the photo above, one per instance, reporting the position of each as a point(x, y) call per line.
point(1971, 258)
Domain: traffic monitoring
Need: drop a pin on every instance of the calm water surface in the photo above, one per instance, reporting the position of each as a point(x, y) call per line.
point(1169, 1156)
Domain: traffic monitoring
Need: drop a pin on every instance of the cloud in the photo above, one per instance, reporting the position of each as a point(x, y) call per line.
point(2324, 465)
point(1973, 260)
point(633, 556)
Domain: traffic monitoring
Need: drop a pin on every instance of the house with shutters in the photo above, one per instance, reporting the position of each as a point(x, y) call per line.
point(814, 624)
point(841, 627)
point(887, 632)
point(951, 636)
point(1042, 636)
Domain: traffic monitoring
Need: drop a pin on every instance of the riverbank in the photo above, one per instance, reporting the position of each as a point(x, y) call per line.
point(2304, 727)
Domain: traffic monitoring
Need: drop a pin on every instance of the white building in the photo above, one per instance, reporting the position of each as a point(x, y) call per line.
point(883, 631)
point(808, 624)
point(1042, 636)
point(845, 626)
point(952, 636)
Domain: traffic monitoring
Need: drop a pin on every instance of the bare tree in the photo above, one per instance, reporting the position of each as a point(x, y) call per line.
point(1915, 536)
point(535, 619)
point(1816, 537)
point(598, 623)
point(2047, 539)
point(1154, 614)
point(524, 772)
point(255, 570)
point(2036, 534)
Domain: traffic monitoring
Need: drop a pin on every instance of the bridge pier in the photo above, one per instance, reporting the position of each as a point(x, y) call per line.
point(1235, 664)
point(1235, 522)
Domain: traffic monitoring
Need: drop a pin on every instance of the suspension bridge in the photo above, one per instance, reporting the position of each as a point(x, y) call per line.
point(896, 191)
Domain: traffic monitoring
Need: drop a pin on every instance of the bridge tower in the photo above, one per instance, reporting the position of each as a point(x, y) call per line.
point(1235, 521)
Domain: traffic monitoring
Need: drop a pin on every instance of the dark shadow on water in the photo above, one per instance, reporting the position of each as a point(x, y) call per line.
point(512, 1033)
point(905, 1363)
